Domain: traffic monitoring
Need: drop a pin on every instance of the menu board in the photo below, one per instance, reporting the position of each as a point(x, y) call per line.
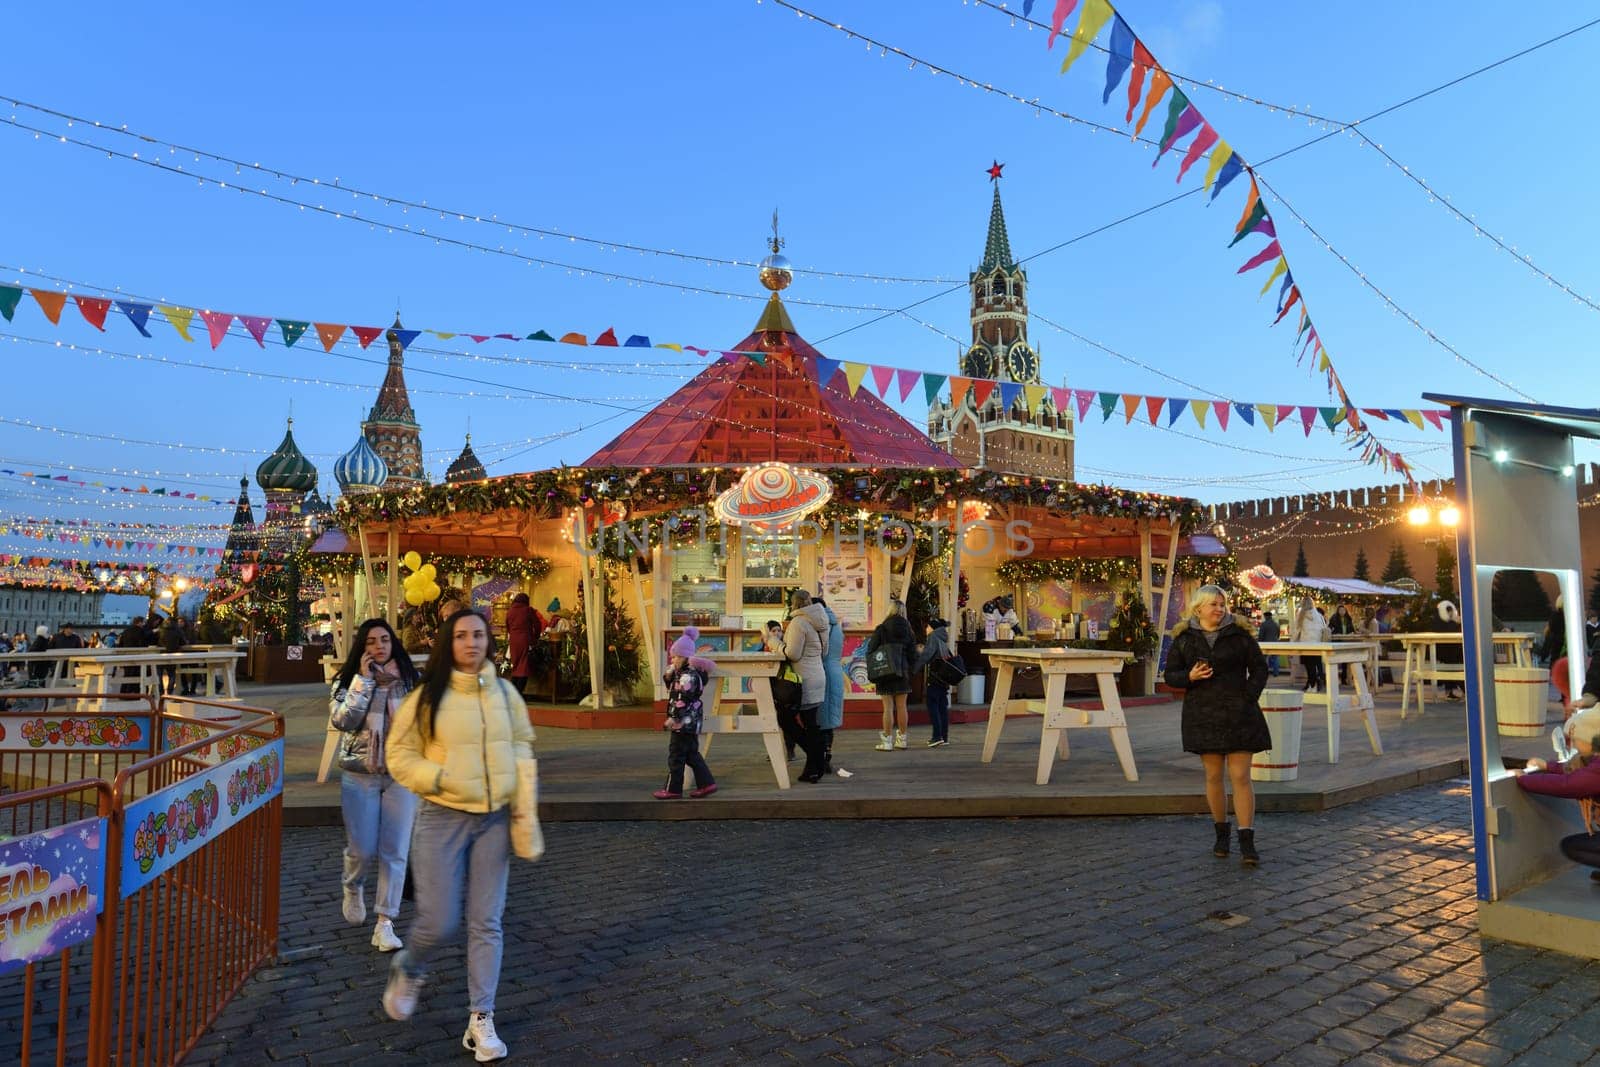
point(846, 586)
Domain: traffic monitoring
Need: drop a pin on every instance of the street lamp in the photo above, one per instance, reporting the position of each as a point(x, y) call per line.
point(175, 592)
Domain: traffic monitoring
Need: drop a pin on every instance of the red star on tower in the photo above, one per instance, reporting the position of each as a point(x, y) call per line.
point(994, 170)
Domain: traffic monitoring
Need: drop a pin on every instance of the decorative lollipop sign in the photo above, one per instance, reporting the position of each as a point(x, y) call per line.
point(773, 496)
point(1260, 581)
point(420, 586)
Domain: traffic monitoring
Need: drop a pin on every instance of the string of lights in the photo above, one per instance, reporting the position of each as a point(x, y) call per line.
point(1340, 125)
point(445, 213)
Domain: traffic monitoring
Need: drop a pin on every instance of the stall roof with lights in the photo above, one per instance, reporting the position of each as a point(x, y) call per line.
point(1349, 587)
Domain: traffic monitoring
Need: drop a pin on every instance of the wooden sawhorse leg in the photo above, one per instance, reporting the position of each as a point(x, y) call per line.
point(997, 711)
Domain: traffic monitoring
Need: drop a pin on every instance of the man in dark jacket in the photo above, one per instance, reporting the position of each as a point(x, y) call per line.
point(39, 670)
point(173, 639)
point(1270, 632)
point(66, 638)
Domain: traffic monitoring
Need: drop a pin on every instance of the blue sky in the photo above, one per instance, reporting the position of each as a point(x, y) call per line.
point(682, 127)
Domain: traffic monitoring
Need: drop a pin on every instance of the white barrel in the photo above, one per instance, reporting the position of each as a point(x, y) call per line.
point(970, 691)
point(1285, 713)
point(1520, 694)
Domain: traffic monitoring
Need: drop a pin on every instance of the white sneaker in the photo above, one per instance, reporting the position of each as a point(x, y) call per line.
point(481, 1040)
point(355, 905)
point(384, 938)
point(899, 739)
point(400, 995)
point(884, 744)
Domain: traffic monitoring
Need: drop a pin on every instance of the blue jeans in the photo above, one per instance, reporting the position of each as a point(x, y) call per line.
point(938, 700)
point(466, 852)
point(378, 812)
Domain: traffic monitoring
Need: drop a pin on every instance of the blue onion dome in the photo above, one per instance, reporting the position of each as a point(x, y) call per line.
point(466, 467)
point(287, 468)
point(361, 470)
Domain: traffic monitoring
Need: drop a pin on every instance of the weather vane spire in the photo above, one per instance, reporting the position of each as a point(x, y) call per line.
point(775, 242)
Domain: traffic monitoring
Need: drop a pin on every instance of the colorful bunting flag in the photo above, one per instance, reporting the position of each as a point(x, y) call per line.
point(1269, 413)
point(10, 296)
point(1267, 254)
point(1222, 409)
point(1201, 409)
point(257, 326)
point(1142, 62)
point(1308, 418)
point(982, 389)
point(882, 378)
point(330, 332)
point(138, 314)
point(1107, 402)
point(853, 373)
point(908, 382)
point(1152, 407)
point(1058, 18)
point(1182, 117)
point(1084, 398)
point(932, 384)
point(51, 303)
point(217, 323)
point(1175, 408)
point(959, 387)
point(180, 317)
point(93, 309)
point(365, 335)
point(292, 331)
point(1246, 412)
point(1130, 404)
point(1096, 13)
point(1010, 393)
point(607, 339)
point(1202, 141)
point(1119, 57)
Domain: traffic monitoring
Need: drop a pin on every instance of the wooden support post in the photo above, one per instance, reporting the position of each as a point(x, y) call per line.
point(1147, 591)
point(953, 611)
point(594, 593)
point(391, 610)
point(652, 639)
point(366, 563)
point(1166, 609)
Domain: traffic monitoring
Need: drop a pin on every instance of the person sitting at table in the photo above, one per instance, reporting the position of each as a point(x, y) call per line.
point(39, 670)
point(1219, 666)
point(1449, 652)
point(1579, 781)
point(1309, 625)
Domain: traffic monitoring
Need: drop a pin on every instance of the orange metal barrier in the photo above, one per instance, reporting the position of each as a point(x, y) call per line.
point(190, 866)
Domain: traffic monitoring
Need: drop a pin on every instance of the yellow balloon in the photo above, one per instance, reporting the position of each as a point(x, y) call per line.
point(428, 571)
point(431, 591)
point(415, 598)
point(412, 560)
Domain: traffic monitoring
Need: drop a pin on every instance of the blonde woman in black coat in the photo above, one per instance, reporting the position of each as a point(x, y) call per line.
point(1216, 661)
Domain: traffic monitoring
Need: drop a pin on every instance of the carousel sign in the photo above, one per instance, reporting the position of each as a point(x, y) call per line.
point(773, 496)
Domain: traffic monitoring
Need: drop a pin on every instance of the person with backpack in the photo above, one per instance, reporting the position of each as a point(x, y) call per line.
point(935, 650)
point(803, 642)
point(894, 639)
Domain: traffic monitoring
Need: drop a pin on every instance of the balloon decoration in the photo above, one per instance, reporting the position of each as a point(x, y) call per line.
point(1260, 581)
point(420, 585)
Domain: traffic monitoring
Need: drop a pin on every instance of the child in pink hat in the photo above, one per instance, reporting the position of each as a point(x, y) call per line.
point(686, 677)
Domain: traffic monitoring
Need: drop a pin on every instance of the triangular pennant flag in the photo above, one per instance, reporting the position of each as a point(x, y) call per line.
point(10, 296)
point(608, 338)
point(1253, 218)
point(982, 389)
point(1179, 126)
point(1130, 404)
point(1107, 402)
point(93, 309)
point(1394, 413)
point(1083, 398)
point(479, 338)
point(293, 330)
point(365, 335)
point(882, 378)
point(1219, 155)
point(1119, 56)
point(1201, 409)
point(1322, 359)
point(1269, 414)
point(1252, 205)
point(1377, 413)
point(442, 335)
point(1010, 393)
point(257, 325)
point(566, 339)
point(1096, 13)
point(1152, 407)
point(1230, 170)
point(1175, 408)
point(138, 314)
point(1033, 396)
point(1160, 83)
point(637, 340)
point(1432, 416)
point(404, 338)
point(1288, 280)
point(1058, 18)
point(330, 332)
point(1279, 268)
point(1308, 418)
point(959, 387)
point(1202, 141)
point(538, 335)
point(1271, 252)
point(1332, 416)
point(931, 384)
point(1061, 398)
point(1413, 417)
point(217, 323)
point(1294, 295)
point(1245, 412)
point(179, 317)
point(908, 381)
point(1142, 62)
point(52, 303)
point(825, 369)
point(1284, 411)
point(853, 373)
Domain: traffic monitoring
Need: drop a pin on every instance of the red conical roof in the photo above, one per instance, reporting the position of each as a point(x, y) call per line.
point(739, 411)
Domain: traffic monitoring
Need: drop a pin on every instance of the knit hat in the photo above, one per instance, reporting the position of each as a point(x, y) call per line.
point(685, 645)
point(555, 605)
point(41, 630)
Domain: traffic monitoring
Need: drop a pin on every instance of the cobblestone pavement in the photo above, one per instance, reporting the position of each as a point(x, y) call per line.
point(1055, 941)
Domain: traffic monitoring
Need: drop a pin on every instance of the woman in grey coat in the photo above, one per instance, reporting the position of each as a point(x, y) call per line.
point(803, 642)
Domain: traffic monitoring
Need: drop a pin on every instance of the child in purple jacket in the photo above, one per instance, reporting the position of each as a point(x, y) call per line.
point(1581, 783)
point(686, 679)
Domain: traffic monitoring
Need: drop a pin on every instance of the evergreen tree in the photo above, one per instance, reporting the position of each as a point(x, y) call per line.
point(1398, 566)
point(1363, 572)
point(624, 662)
point(1301, 568)
point(1444, 570)
point(1517, 596)
point(1131, 629)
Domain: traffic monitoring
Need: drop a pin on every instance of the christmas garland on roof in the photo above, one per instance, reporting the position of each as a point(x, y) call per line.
point(1109, 571)
point(531, 568)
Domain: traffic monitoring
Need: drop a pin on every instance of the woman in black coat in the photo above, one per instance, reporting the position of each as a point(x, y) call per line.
point(1220, 668)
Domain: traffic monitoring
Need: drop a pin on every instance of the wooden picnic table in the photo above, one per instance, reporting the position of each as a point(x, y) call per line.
point(98, 672)
point(760, 668)
point(1056, 664)
point(1363, 656)
point(1422, 660)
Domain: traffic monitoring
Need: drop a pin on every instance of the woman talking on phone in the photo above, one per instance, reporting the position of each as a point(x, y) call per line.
point(378, 811)
point(1215, 660)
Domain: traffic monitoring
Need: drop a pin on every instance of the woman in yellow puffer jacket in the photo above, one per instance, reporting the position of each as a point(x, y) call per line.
point(455, 743)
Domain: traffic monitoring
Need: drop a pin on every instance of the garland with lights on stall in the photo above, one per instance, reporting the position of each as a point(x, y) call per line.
point(532, 568)
point(1215, 570)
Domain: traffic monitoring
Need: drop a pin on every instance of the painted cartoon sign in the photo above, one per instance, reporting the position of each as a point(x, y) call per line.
point(52, 885)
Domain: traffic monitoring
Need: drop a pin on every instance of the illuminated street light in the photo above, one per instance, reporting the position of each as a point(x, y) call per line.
point(1419, 516)
point(1450, 516)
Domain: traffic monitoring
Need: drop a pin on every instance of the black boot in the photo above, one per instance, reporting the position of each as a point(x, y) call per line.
point(1220, 849)
point(1247, 847)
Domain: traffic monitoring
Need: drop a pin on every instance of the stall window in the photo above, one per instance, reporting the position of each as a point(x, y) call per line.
point(771, 569)
point(699, 584)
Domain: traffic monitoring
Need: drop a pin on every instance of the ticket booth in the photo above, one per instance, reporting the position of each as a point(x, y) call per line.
point(1517, 491)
